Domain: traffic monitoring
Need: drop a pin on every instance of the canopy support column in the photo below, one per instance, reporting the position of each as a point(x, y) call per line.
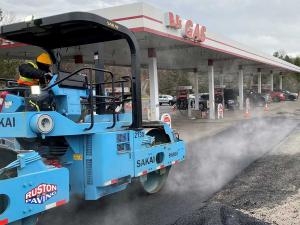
point(211, 86)
point(259, 81)
point(241, 87)
point(153, 77)
point(272, 80)
point(222, 86)
point(280, 81)
point(196, 89)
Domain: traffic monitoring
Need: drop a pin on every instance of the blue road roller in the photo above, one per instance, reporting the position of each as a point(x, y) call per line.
point(69, 135)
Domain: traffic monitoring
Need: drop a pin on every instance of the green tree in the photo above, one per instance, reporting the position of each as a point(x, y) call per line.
point(288, 59)
point(297, 61)
point(169, 80)
point(276, 54)
point(281, 54)
point(292, 80)
point(8, 66)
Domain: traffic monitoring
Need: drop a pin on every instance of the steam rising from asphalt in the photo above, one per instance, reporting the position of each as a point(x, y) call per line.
point(212, 162)
point(209, 165)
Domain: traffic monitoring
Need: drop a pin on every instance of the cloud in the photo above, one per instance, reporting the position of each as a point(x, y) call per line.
point(46, 8)
point(263, 24)
point(294, 54)
point(266, 42)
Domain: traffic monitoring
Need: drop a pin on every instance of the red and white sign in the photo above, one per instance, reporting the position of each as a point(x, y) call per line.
point(166, 118)
point(189, 30)
point(173, 21)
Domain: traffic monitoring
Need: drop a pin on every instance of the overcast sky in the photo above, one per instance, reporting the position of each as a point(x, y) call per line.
point(268, 25)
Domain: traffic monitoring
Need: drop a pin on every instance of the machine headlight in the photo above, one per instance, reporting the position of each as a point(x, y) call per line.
point(42, 123)
point(35, 90)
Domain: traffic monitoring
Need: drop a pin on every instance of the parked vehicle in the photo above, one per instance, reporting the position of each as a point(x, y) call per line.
point(256, 99)
point(174, 100)
point(295, 94)
point(166, 99)
point(182, 99)
point(218, 98)
point(192, 96)
point(204, 98)
point(277, 96)
point(230, 99)
point(289, 96)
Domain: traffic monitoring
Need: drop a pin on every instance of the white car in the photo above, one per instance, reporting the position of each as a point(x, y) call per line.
point(166, 99)
point(192, 96)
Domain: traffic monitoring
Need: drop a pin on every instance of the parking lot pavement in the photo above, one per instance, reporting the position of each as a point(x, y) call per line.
point(190, 130)
point(205, 127)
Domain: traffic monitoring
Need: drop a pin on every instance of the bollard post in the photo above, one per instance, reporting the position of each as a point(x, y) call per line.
point(220, 111)
point(266, 108)
point(189, 108)
point(247, 112)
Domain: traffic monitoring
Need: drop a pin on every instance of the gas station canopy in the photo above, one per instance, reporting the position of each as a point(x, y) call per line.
point(179, 43)
point(168, 41)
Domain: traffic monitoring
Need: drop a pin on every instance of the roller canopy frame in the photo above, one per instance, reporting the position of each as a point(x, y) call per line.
point(79, 28)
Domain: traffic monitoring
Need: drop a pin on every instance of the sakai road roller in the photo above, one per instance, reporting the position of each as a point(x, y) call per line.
point(68, 135)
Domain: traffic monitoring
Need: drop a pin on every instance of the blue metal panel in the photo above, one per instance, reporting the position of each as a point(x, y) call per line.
point(18, 125)
point(15, 125)
point(68, 100)
point(124, 118)
point(74, 162)
point(146, 158)
point(68, 103)
point(36, 188)
point(21, 190)
point(108, 156)
point(113, 156)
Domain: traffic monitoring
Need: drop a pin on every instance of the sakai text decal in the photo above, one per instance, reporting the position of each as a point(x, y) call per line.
point(8, 122)
point(112, 25)
point(40, 194)
point(145, 162)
